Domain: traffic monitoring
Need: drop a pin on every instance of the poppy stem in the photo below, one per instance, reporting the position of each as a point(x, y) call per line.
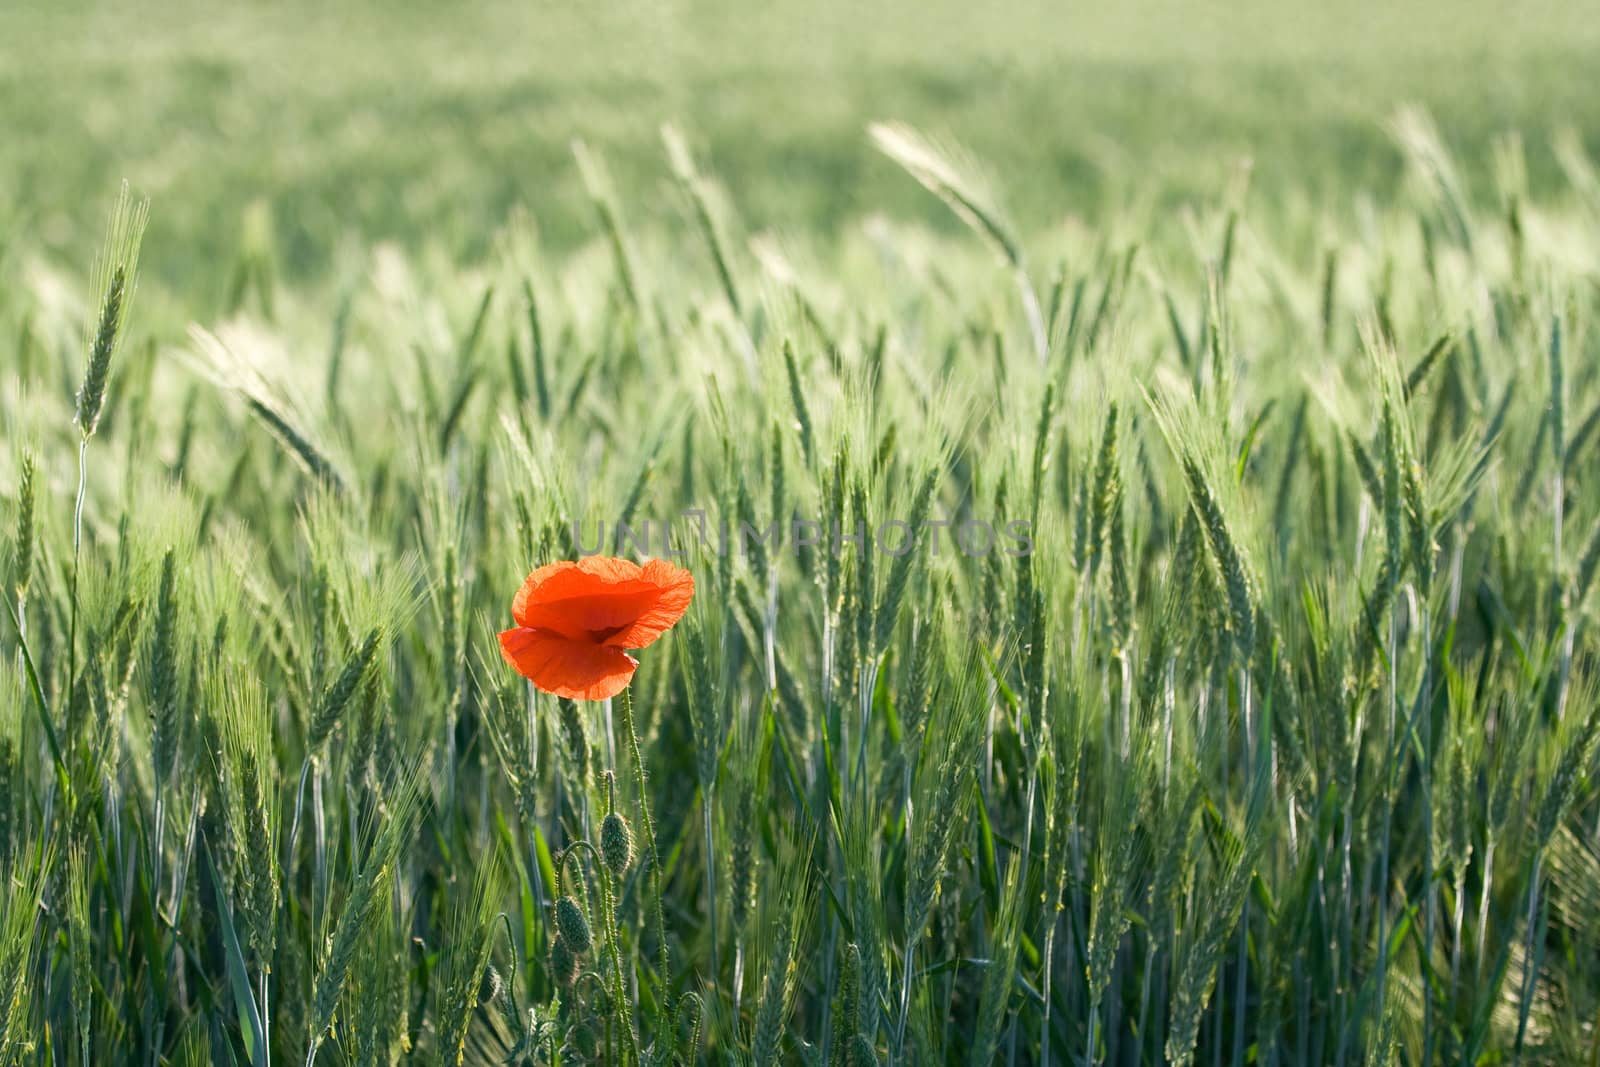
point(610, 898)
point(649, 836)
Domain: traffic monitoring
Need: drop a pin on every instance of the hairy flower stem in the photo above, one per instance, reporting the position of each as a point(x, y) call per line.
point(649, 838)
point(623, 1007)
point(619, 991)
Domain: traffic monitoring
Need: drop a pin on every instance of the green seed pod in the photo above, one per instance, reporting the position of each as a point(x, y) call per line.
point(862, 1054)
point(616, 844)
point(572, 926)
point(563, 964)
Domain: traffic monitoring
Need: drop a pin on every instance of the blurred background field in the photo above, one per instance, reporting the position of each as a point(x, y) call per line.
point(1277, 320)
point(399, 121)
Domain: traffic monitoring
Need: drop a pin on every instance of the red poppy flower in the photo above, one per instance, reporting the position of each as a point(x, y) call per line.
point(575, 621)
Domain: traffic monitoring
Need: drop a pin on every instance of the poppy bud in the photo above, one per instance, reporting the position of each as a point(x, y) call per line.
point(616, 844)
point(491, 986)
point(862, 1054)
point(585, 1041)
point(572, 926)
point(563, 964)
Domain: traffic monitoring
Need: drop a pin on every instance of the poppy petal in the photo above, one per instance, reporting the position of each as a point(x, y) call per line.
point(674, 588)
point(566, 579)
point(577, 670)
point(569, 579)
point(604, 600)
point(592, 617)
point(531, 586)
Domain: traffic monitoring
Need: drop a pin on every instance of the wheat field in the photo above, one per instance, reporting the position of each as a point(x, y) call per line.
point(1144, 570)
